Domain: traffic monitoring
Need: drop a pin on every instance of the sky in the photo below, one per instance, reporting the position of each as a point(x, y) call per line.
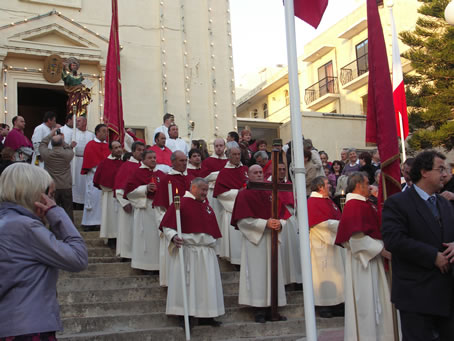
point(258, 31)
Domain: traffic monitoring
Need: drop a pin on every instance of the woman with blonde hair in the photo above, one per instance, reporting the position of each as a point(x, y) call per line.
point(31, 254)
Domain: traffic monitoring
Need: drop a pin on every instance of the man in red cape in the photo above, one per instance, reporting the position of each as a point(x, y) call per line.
point(327, 258)
point(95, 151)
point(368, 313)
point(199, 234)
point(163, 154)
point(17, 141)
point(194, 168)
point(104, 179)
point(125, 215)
point(252, 217)
point(140, 191)
point(230, 180)
point(180, 182)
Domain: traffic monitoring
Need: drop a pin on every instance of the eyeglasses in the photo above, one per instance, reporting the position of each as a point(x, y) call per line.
point(441, 169)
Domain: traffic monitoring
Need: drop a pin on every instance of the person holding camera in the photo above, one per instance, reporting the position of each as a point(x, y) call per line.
point(31, 254)
point(57, 161)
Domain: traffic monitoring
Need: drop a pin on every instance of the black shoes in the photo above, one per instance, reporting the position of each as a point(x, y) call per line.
point(209, 322)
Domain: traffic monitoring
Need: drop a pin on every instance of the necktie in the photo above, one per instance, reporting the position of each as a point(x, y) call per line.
point(432, 203)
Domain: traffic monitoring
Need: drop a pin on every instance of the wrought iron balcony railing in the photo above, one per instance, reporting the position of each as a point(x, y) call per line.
point(354, 69)
point(325, 86)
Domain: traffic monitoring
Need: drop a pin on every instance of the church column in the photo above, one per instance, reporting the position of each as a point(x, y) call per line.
point(4, 80)
point(187, 70)
point(163, 57)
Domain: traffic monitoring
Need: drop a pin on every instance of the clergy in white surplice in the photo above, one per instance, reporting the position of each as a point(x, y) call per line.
point(203, 279)
point(252, 216)
point(104, 180)
point(40, 132)
point(125, 215)
point(230, 180)
point(327, 258)
point(83, 136)
point(140, 191)
point(368, 312)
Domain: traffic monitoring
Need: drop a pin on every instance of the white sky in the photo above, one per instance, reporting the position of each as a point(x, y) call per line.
point(258, 31)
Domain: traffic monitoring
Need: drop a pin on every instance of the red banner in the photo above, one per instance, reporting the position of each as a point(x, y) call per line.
point(310, 11)
point(113, 106)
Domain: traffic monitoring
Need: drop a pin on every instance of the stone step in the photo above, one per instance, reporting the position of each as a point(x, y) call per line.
point(101, 252)
point(96, 260)
point(90, 235)
point(105, 283)
point(104, 270)
point(228, 331)
point(137, 301)
point(94, 243)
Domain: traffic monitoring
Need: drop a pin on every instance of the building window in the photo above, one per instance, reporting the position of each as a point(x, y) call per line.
point(255, 113)
point(287, 98)
point(364, 104)
point(362, 57)
point(265, 110)
point(326, 78)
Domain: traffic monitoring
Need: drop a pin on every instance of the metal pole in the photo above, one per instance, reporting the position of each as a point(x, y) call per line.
point(300, 173)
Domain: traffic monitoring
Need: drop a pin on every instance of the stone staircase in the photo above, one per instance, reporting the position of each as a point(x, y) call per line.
point(110, 301)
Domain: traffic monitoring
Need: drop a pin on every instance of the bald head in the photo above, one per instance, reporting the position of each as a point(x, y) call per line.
point(219, 147)
point(57, 140)
point(179, 161)
point(255, 173)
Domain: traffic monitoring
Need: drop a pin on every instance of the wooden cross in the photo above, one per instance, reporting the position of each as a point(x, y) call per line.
point(275, 187)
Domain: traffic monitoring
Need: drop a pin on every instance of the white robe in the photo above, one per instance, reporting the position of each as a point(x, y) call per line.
point(203, 277)
point(161, 129)
point(255, 273)
point(368, 312)
point(214, 203)
point(177, 144)
point(92, 204)
point(290, 251)
point(39, 133)
point(230, 243)
point(109, 224)
point(79, 184)
point(146, 234)
point(67, 133)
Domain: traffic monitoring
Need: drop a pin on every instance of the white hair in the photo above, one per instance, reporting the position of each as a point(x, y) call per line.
point(23, 184)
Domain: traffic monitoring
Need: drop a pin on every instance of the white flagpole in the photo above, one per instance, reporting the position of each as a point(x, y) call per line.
point(300, 173)
point(74, 149)
point(402, 139)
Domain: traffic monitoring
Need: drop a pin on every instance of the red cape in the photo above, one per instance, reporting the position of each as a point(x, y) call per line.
point(195, 173)
point(105, 173)
point(251, 203)
point(16, 139)
point(196, 217)
point(212, 164)
point(182, 182)
point(322, 209)
point(162, 156)
point(94, 153)
point(230, 178)
point(123, 174)
point(358, 216)
point(285, 199)
point(143, 176)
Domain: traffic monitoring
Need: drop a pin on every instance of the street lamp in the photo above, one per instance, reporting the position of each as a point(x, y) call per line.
point(449, 13)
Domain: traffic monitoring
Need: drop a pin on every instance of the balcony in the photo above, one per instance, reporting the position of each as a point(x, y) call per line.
point(321, 93)
point(355, 74)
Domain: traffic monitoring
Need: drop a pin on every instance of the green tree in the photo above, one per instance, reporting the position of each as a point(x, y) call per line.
point(430, 90)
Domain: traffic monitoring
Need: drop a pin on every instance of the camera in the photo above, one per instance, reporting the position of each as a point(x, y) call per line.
point(58, 132)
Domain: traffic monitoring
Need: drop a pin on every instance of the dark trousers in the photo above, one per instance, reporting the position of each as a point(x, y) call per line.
point(64, 198)
point(424, 327)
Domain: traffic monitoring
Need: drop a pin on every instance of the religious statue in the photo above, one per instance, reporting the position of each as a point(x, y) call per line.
point(79, 95)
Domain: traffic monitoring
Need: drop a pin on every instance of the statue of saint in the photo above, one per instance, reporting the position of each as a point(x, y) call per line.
point(78, 94)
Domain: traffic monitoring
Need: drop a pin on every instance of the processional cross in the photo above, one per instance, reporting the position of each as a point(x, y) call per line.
point(275, 187)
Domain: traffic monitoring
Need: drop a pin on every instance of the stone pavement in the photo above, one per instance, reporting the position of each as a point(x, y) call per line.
point(110, 301)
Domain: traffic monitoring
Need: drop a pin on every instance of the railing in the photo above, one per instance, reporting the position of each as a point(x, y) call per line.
point(355, 69)
point(325, 86)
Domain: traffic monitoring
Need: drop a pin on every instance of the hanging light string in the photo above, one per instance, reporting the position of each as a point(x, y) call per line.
point(186, 67)
point(232, 74)
point(163, 57)
point(5, 93)
point(213, 68)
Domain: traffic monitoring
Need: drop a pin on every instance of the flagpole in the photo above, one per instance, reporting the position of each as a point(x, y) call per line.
point(402, 138)
point(300, 173)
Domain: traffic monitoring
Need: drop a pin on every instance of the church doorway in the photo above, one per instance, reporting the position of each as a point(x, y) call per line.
point(33, 100)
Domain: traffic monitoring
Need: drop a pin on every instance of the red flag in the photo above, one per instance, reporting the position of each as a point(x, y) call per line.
point(310, 11)
point(400, 102)
point(380, 124)
point(113, 106)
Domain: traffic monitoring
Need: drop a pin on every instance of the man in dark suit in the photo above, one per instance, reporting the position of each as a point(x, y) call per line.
point(418, 229)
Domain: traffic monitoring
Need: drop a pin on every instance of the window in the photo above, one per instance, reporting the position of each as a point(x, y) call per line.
point(287, 99)
point(361, 57)
point(364, 104)
point(265, 110)
point(255, 113)
point(139, 132)
point(326, 78)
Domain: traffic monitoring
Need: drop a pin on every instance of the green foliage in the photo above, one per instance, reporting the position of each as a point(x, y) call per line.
point(430, 92)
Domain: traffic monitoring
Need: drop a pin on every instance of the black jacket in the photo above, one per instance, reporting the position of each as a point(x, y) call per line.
point(414, 236)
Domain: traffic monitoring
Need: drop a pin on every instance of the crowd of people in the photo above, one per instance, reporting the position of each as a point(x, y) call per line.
point(128, 193)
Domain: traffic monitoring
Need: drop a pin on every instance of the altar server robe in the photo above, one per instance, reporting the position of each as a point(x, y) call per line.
point(250, 214)
point(327, 258)
point(368, 313)
point(79, 183)
point(146, 239)
point(39, 134)
point(203, 277)
point(228, 183)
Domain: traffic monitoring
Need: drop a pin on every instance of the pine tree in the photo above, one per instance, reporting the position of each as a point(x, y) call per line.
point(430, 90)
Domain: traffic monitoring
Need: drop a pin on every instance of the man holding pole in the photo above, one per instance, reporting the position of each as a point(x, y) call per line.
point(199, 234)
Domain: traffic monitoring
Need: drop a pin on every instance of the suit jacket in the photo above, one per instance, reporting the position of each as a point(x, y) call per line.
point(414, 237)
